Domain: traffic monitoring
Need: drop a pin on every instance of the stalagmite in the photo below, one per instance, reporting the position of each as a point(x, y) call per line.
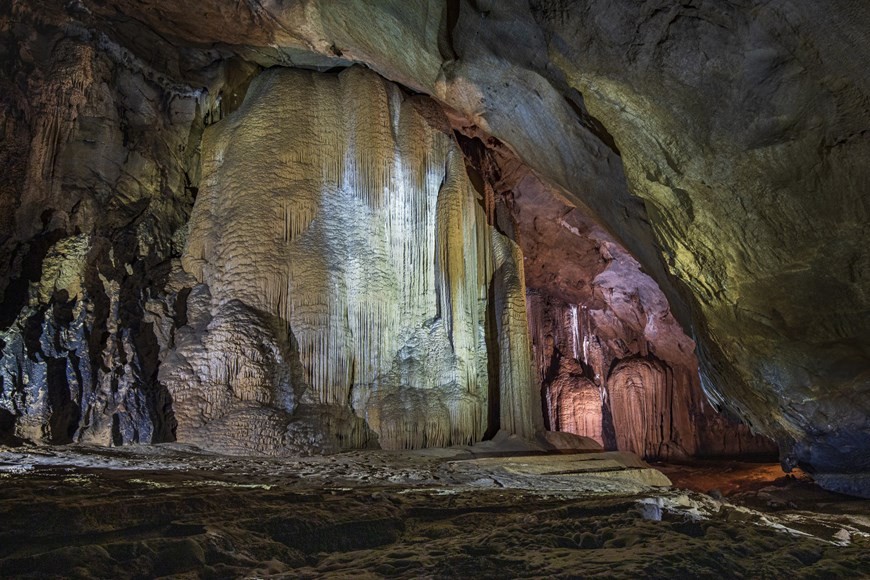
point(601, 379)
point(575, 406)
point(520, 405)
point(337, 207)
point(641, 396)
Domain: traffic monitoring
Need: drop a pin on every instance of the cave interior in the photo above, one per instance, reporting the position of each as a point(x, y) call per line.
point(284, 284)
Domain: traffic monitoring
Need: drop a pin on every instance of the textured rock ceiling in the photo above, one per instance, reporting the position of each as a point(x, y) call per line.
point(724, 143)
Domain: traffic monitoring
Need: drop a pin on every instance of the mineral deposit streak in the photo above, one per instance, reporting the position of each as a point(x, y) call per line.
point(339, 208)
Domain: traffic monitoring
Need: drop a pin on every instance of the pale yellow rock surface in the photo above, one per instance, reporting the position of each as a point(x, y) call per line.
point(336, 230)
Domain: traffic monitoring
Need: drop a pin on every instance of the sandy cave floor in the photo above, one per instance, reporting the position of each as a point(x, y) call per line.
point(169, 510)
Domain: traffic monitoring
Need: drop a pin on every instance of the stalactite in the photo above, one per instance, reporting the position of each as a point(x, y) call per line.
point(585, 333)
point(575, 333)
point(366, 238)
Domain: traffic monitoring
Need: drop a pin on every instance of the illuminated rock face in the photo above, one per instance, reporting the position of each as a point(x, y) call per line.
point(648, 407)
point(614, 364)
point(575, 403)
point(601, 378)
point(349, 266)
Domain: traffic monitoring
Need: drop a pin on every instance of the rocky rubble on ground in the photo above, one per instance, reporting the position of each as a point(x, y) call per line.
point(460, 511)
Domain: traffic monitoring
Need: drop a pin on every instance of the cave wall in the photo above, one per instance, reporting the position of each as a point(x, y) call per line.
point(723, 144)
point(741, 127)
point(100, 145)
point(95, 152)
point(612, 361)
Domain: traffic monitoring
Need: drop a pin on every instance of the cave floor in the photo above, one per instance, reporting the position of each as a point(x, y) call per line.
point(145, 512)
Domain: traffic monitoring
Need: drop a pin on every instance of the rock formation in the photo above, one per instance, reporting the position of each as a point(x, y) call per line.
point(613, 362)
point(335, 227)
point(618, 368)
point(723, 145)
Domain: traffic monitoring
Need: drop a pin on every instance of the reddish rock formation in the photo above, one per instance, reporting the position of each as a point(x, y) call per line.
point(613, 362)
point(649, 407)
point(574, 403)
point(615, 389)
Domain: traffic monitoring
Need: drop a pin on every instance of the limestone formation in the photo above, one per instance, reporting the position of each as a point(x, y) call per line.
point(601, 328)
point(575, 404)
point(336, 225)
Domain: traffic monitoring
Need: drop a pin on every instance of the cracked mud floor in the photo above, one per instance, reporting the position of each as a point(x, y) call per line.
point(171, 511)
